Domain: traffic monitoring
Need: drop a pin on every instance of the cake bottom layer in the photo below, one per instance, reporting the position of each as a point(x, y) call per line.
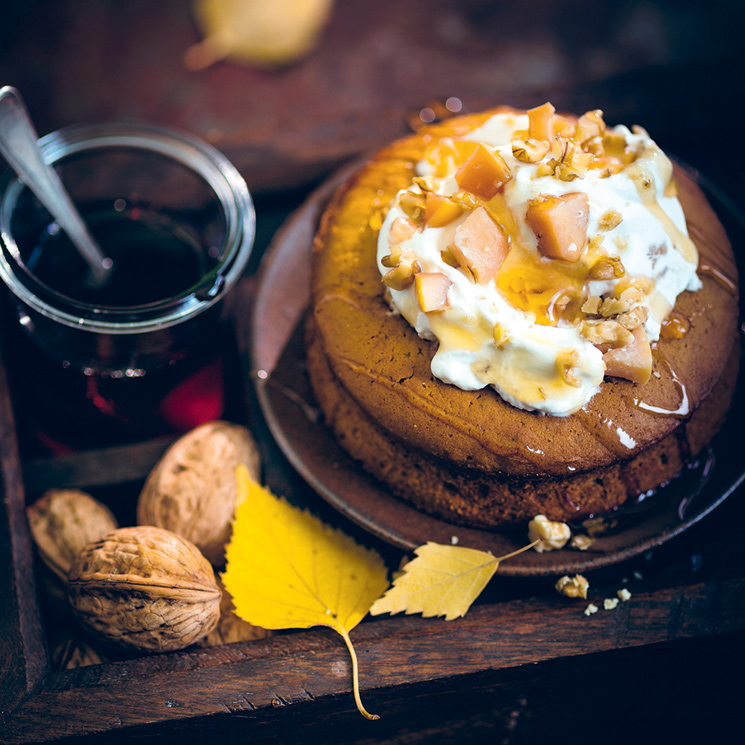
point(489, 500)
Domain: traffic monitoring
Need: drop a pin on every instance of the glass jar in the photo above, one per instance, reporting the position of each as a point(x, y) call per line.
point(139, 356)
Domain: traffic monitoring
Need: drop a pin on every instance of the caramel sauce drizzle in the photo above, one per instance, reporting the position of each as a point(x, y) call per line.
point(684, 408)
point(640, 173)
point(675, 326)
point(608, 433)
point(721, 278)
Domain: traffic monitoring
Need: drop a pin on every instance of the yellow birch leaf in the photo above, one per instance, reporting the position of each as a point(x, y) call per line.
point(264, 33)
point(440, 581)
point(288, 570)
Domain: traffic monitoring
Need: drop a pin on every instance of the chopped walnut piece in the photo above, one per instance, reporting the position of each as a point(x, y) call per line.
point(610, 603)
point(614, 144)
point(573, 164)
point(551, 535)
point(581, 542)
point(466, 200)
point(597, 526)
point(530, 151)
point(480, 245)
point(567, 363)
point(484, 173)
point(449, 259)
point(572, 587)
point(392, 258)
point(559, 147)
point(591, 609)
point(594, 145)
point(402, 274)
point(501, 334)
point(609, 220)
point(607, 267)
point(425, 183)
point(636, 291)
point(633, 361)
point(612, 306)
point(606, 333)
point(412, 203)
point(624, 595)
point(591, 306)
point(589, 126)
point(432, 290)
point(402, 228)
point(634, 318)
point(559, 224)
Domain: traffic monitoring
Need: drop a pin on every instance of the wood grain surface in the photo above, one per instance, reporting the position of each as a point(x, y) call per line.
point(520, 660)
point(230, 689)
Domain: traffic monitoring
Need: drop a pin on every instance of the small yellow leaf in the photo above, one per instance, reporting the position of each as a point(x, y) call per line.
point(286, 569)
point(258, 32)
point(440, 581)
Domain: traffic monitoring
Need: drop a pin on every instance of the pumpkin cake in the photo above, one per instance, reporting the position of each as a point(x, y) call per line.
point(518, 313)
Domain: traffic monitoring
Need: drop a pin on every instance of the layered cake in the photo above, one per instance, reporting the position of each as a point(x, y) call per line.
point(520, 312)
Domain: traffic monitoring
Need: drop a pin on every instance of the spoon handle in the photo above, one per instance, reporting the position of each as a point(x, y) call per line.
point(19, 147)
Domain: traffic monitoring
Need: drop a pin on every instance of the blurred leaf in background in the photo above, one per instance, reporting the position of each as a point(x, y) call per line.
point(264, 33)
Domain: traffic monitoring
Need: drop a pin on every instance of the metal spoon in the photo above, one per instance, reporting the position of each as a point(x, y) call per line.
point(19, 147)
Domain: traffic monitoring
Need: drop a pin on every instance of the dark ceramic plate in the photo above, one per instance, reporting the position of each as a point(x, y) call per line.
point(283, 392)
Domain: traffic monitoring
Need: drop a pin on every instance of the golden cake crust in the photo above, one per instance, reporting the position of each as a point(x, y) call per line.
point(382, 368)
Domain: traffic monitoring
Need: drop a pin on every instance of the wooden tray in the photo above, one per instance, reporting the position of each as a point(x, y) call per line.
point(524, 661)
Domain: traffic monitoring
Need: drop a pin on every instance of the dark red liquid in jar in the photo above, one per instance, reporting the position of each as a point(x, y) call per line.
point(64, 404)
point(154, 257)
point(60, 408)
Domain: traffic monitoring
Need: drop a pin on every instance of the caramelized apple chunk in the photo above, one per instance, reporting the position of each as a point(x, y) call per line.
point(440, 211)
point(484, 173)
point(540, 122)
point(480, 245)
point(432, 290)
point(559, 224)
point(633, 361)
point(402, 228)
point(529, 151)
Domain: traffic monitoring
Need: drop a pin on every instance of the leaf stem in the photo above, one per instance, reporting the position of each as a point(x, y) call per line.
point(518, 551)
point(355, 674)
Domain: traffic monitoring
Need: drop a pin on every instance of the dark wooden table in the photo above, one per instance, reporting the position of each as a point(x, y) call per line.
point(524, 664)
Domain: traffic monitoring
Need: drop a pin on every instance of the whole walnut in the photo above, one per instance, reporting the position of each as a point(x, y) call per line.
point(192, 489)
point(63, 522)
point(146, 588)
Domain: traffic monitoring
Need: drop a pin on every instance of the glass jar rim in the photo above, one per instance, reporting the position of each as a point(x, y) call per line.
point(201, 158)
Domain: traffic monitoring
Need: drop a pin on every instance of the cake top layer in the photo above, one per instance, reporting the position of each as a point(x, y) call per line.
point(541, 253)
point(385, 366)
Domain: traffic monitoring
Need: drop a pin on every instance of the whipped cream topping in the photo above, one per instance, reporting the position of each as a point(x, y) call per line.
point(543, 328)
